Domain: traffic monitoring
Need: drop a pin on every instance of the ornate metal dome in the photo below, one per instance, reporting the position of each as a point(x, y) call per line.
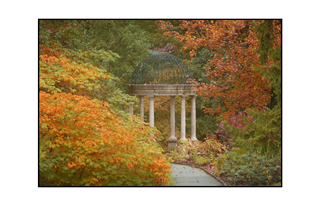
point(161, 68)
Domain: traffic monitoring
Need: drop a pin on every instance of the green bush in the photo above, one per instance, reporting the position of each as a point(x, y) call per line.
point(249, 169)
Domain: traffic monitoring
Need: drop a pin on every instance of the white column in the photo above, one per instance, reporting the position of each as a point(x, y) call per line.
point(141, 107)
point(183, 117)
point(193, 118)
point(131, 109)
point(151, 110)
point(172, 119)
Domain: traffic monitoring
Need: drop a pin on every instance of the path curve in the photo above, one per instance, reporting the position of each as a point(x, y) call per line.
point(185, 175)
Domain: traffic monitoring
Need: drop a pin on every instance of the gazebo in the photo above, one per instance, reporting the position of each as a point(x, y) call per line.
point(163, 74)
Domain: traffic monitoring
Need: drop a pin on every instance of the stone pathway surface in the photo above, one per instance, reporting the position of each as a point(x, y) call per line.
point(185, 175)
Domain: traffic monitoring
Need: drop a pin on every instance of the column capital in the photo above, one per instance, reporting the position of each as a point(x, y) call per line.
point(183, 96)
point(150, 95)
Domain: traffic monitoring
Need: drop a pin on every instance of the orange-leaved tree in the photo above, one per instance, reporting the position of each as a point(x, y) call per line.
point(83, 141)
point(242, 65)
point(233, 84)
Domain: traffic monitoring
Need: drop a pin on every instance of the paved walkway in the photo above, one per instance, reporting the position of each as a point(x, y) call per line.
point(185, 175)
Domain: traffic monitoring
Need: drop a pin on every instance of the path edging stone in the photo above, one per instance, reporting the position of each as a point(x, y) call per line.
point(212, 175)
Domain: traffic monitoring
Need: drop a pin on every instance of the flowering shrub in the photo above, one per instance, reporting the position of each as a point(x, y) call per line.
point(221, 136)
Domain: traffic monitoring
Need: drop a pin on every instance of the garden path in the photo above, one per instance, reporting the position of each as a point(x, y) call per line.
point(185, 175)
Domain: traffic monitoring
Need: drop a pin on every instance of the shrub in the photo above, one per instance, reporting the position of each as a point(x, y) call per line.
point(82, 143)
point(198, 152)
point(248, 168)
point(84, 139)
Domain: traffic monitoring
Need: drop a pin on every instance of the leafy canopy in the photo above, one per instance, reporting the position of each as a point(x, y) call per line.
point(241, 60)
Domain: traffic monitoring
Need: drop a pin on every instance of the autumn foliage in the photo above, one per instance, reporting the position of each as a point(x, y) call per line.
point(233, 82)
point(241, 63)
point(87, 138)
point(83, 142)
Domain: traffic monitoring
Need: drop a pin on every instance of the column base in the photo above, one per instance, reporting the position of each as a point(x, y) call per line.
point(182, 140)
point(194, 139)
point(172, 144)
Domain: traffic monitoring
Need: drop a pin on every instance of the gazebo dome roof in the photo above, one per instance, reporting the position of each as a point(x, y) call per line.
point(161, 68)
